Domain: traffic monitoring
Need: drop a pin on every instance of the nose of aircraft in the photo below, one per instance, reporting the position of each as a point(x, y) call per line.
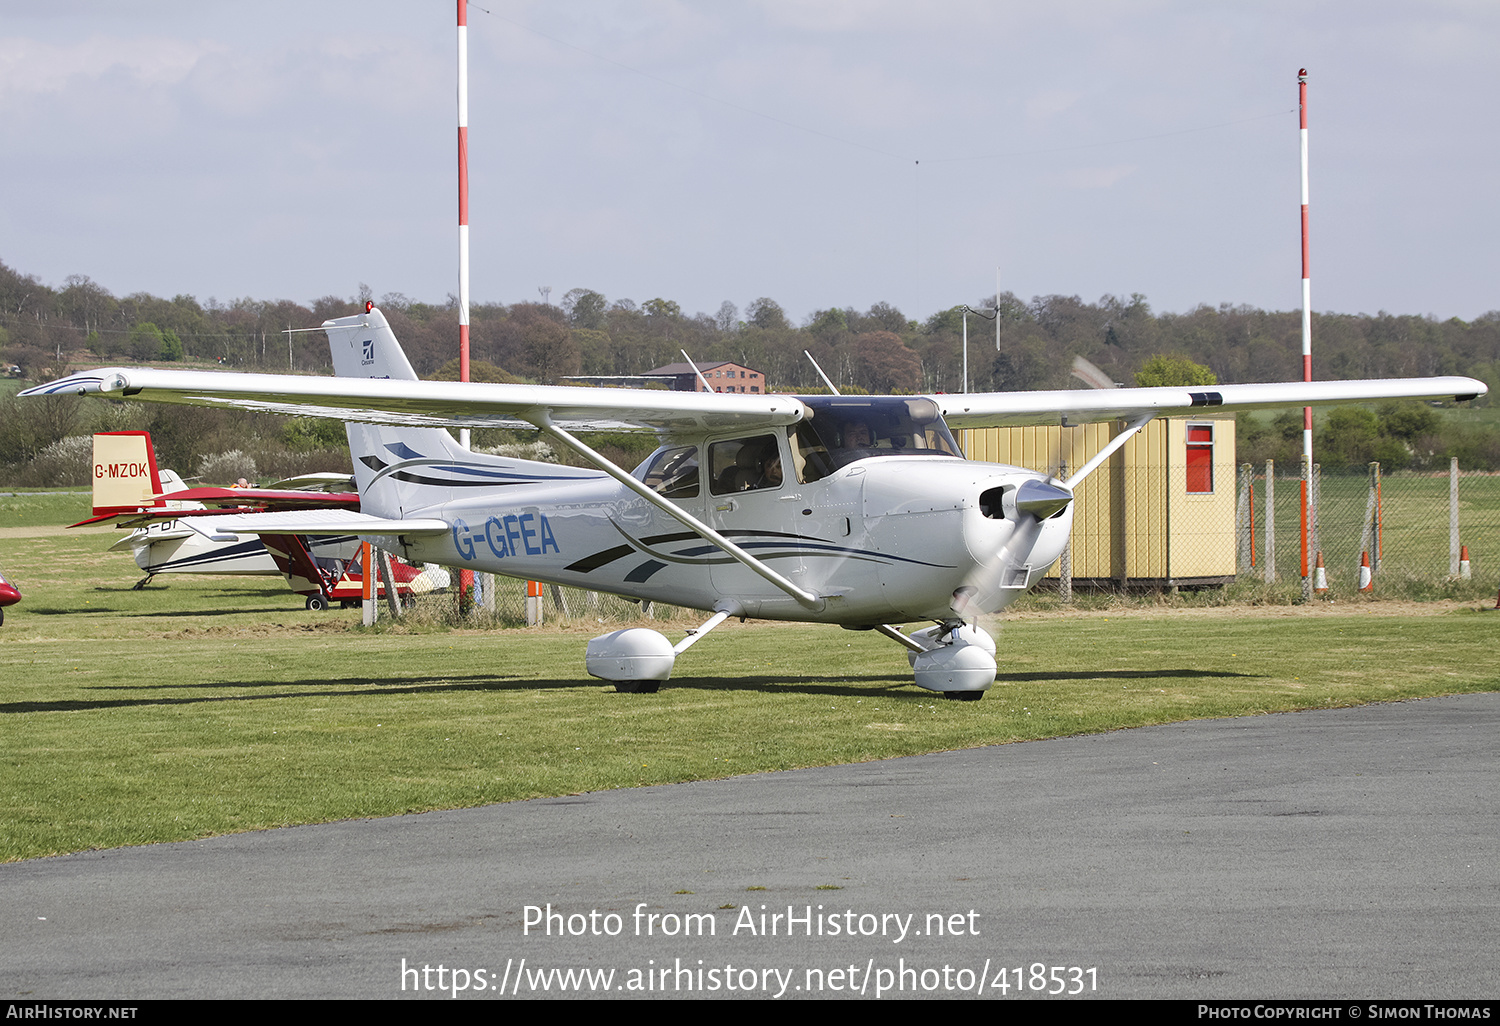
point(1034, 519)
point(1042, 499)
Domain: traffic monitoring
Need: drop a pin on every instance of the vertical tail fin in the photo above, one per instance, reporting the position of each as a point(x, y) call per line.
point(125, 474)
point(364, 346)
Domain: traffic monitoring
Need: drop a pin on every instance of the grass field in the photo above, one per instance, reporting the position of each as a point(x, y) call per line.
point(210, 705)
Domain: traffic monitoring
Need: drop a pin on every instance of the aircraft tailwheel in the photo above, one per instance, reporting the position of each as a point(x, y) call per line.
point(2, 617)
point(317, 603)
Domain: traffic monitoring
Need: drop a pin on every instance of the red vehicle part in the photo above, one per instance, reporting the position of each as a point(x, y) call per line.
point(327, 581)
point(9, 596)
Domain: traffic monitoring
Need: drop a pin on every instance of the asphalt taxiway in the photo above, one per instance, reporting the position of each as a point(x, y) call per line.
point(1349, 853)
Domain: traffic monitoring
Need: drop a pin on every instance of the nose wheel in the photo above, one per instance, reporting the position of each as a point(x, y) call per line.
point(953, 658)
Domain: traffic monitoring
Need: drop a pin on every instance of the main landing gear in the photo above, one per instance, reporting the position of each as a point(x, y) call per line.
point(637, 659)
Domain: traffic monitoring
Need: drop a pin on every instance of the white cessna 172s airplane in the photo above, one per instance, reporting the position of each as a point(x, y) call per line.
point(851, 510)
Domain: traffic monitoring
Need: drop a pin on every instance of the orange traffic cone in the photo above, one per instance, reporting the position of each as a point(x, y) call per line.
point(1464, 571)
point(1320, 576)
point(1366, 580)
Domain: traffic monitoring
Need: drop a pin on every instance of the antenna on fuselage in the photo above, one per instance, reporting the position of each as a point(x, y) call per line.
point(706, 386)
point(831, 386)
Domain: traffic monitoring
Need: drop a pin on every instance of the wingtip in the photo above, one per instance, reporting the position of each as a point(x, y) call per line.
point(92, 382)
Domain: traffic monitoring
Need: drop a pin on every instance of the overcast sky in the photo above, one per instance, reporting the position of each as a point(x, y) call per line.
point(820, 152)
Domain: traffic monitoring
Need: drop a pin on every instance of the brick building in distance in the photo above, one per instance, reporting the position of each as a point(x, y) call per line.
point(722, 376)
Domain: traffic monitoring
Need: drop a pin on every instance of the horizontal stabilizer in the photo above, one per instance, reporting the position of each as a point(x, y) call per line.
point(269, 499)
point(323, 522)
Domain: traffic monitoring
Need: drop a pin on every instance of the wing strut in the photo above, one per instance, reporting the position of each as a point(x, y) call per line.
point(1109, 450)
point(543, 422)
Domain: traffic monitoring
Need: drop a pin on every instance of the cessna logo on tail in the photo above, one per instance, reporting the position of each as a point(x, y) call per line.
point(368, 351)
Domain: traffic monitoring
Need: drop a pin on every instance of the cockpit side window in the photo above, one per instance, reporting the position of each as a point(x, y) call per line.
point(672, 471)
point(744, 464)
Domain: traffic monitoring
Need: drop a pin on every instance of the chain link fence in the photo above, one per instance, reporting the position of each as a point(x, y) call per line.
point(508, 605)
point(1414, 531)
point(1152, 528)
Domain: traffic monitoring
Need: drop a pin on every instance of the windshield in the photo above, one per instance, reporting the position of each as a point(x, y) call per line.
point(843, 429)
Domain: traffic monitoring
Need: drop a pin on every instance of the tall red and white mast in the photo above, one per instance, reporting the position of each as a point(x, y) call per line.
point(1307, 425)
point(1307, 418)
point(465, 577)
point(463, 201)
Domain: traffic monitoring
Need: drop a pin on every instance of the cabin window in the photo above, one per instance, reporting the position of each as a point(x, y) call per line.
point(744, 465)
point(1200, 458)
point(673, 472)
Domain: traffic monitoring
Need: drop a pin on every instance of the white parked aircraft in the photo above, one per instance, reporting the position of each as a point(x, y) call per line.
point(851, 510)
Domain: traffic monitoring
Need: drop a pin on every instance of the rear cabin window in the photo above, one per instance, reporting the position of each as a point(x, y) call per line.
point(744, 465)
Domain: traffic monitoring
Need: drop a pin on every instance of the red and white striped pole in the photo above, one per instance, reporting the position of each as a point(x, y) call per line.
point(1307, 422)
point(463, 200)
point(465, 577)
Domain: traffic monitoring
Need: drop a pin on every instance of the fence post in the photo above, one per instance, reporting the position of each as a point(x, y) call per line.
point(1367, 532)
point(1453, 518)
point(1313, 514)
point(367, 584)
point(1377, 558)
point(533, 603)
point(388, 582)
point(485, 585)
point(1306, 527)
point(1243, 516)
point(1270, 521)
point(1065, 565)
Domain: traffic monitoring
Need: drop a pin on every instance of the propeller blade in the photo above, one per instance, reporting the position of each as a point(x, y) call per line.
point(999, 579)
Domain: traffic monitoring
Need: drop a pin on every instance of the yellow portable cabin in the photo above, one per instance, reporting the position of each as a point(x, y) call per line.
point(1159, 513)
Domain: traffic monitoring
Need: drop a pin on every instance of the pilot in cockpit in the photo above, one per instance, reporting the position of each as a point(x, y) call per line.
point(857, 435)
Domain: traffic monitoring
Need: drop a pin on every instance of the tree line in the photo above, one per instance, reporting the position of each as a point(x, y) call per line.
point(1014, 344)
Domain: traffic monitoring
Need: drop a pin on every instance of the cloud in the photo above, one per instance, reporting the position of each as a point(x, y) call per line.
point(1097, 177)
point(28, 66)
point(1046, 105)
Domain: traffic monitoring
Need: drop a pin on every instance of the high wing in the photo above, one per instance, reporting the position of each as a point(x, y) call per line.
point(436, 403)
point(465, 404)
point(1084, 406)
